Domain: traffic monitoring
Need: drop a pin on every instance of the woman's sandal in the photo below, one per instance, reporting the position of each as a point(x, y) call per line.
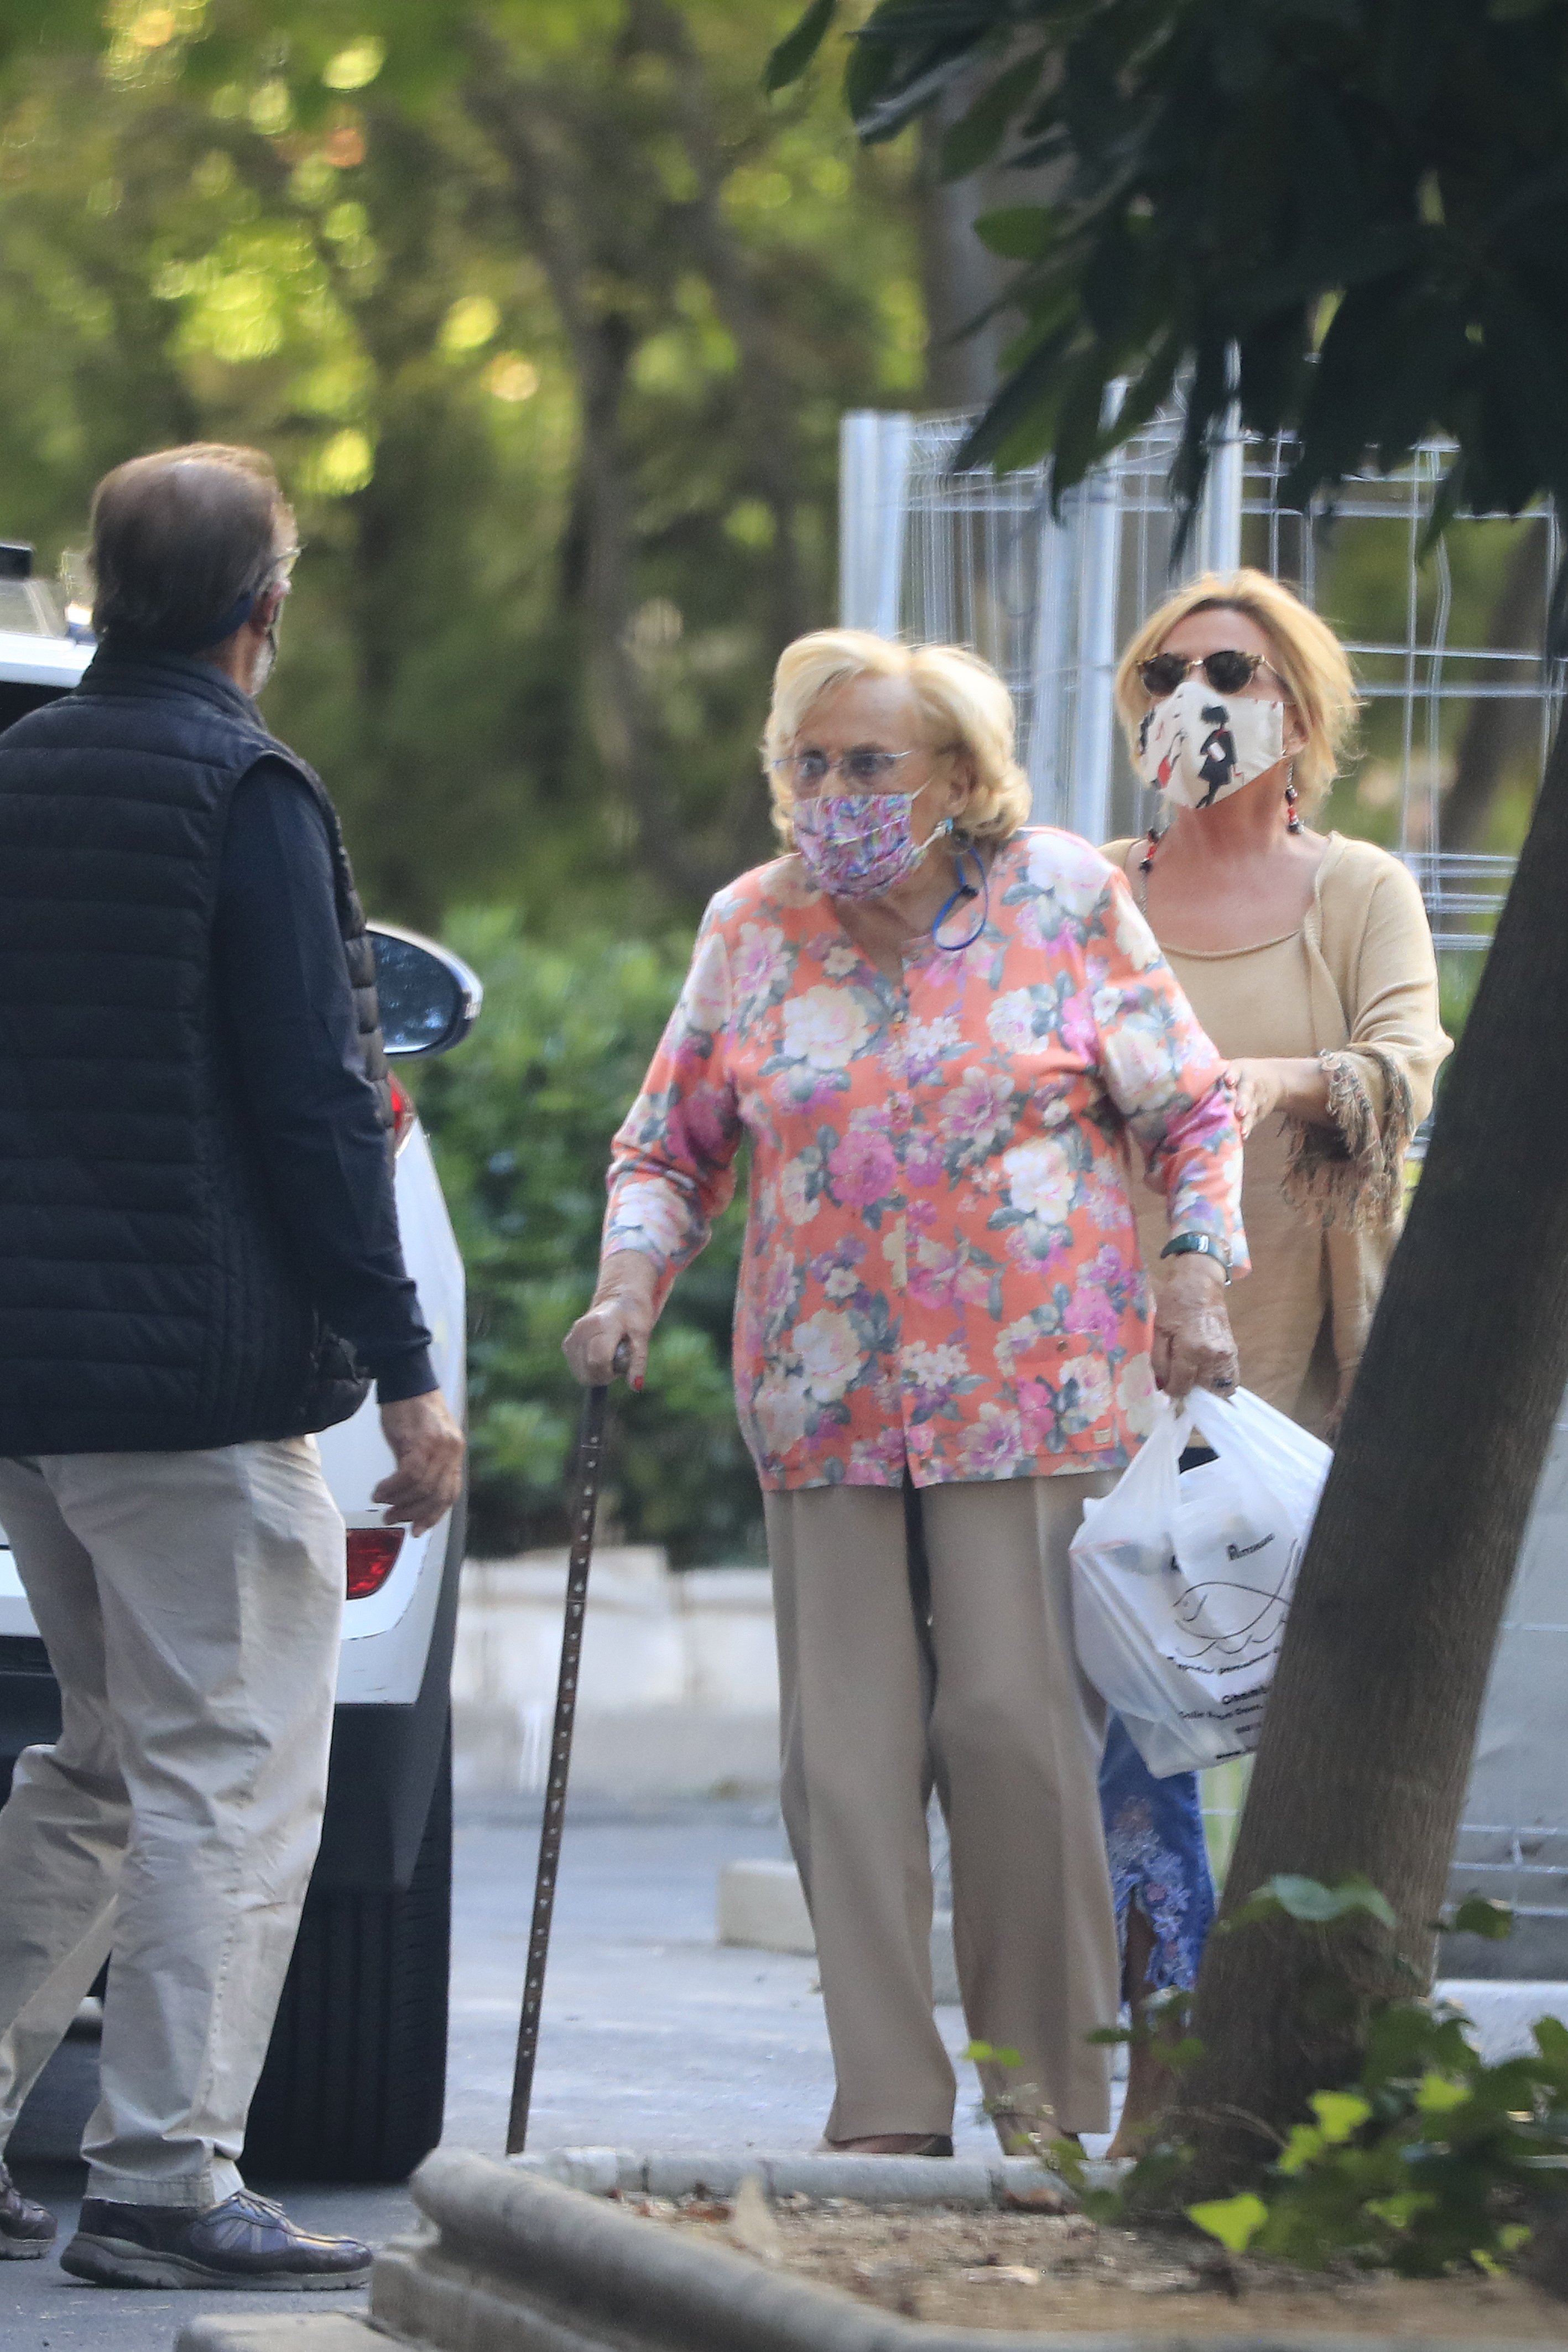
point(892, 2144)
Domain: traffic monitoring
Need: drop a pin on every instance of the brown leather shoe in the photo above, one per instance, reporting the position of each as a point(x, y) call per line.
point(893, 2144)
point(26, 2231)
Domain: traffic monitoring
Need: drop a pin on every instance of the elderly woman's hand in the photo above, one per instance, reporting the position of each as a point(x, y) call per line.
point(1193, 1348)
point(623, 1311)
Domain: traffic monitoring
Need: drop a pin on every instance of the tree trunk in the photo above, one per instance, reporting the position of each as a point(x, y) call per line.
point(543, 176)
point(970, 324)
point(1366, 1748)
point(768, 398)
point(1499, 730)
point(960, 276)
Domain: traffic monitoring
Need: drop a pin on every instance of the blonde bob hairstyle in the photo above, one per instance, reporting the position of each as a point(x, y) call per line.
point(1311, 661)
point(962, 702)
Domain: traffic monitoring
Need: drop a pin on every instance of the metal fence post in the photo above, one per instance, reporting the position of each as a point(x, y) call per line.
point(873, 509)
point(1088, 811)
point(1215, 541)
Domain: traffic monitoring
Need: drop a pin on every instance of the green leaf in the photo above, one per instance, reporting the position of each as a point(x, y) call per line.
point(1303, 2147)
point(993, 2054)
point(1019, 402)
point(789, 59)
point(1315, 1905)
point(1234, 2221)
point(1178, 2056)
point(976, 137)
point(871, 68)
point(1401, 2211)
point(1339, 2114)
point(1017, 232)
point(1478, 1915)
point(1435, 2094)
point(1551, 2038)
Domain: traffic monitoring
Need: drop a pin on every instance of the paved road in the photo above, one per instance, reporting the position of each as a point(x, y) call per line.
point(652, 2037)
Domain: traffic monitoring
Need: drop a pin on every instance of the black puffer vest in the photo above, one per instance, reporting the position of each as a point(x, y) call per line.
point(147, 1302)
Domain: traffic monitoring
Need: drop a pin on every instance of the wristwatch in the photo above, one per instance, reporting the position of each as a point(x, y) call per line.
point(1198, 1245)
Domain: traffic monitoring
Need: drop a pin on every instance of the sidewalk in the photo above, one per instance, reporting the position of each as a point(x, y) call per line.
point(655, 2035)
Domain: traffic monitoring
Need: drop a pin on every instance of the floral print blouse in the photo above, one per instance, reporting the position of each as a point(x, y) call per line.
point(941, 1265)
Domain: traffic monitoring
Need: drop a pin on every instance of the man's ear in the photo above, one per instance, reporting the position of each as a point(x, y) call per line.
point(267, 608)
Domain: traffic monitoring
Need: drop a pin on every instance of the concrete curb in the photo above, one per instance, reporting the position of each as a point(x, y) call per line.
point(521, 2264)
point(869, 2180)
point(761, 1908)
point(579, 2275)
point(277, 2331)
point(511, 2260)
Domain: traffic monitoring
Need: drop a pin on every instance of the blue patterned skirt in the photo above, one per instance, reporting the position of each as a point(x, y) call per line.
point(1154, 1835)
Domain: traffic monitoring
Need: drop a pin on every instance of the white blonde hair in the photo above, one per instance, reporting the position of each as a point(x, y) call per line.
point(960, 699)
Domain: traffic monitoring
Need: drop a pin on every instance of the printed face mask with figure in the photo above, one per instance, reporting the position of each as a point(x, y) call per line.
point(858, 845)
point(1200, 747)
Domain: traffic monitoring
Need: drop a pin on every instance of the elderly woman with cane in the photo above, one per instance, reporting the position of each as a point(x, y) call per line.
point(1308, 961)
point(953, 1048)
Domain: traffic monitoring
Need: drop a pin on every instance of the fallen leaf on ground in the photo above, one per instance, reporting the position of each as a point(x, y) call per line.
point(752, 2223)
point(1046, 2199)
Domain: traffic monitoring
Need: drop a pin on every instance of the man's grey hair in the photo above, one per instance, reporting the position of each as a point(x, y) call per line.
point(184, 543)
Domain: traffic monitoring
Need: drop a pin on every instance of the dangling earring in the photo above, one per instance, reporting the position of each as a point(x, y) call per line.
point(1292, 822)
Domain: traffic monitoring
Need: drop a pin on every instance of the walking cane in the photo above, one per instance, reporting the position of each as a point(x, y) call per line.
point(585, 1506)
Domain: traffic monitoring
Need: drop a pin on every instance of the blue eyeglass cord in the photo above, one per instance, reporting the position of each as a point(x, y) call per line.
point(980, 889)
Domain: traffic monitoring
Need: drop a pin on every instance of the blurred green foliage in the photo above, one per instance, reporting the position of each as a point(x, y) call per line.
point(548, 317)
point(519, 1120)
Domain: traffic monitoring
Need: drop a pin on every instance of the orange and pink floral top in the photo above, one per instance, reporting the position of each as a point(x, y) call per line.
point(941, 1265)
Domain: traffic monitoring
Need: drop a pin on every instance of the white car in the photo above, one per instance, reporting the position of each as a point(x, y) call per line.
point(356, 2077)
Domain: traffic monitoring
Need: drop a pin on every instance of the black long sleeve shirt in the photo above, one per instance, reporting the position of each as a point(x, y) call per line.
point(284, 993)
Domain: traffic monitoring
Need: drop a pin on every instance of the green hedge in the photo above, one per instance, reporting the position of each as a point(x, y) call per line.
point(520, 1120)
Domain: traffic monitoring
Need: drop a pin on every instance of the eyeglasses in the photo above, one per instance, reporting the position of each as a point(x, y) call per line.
point(865, 769)
point(1227, 671)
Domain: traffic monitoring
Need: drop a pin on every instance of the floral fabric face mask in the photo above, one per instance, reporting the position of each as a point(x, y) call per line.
point(1200, 747)
point(858, 845)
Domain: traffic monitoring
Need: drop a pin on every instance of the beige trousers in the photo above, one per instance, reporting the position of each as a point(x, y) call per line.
point(192, 1605)
point(989, 1705)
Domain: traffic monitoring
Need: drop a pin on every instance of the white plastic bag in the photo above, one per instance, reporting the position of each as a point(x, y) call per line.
point(1181, 1583)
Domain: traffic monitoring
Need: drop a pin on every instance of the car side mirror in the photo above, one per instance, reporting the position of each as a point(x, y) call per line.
point(429, 998)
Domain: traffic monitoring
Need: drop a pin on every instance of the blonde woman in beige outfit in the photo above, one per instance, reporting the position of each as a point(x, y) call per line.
point(1308, 960)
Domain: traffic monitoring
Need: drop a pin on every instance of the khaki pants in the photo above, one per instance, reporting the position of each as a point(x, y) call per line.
point(192, 1605)
point(1011, 1734)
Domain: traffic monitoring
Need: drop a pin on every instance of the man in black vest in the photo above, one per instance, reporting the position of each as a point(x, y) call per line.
point(198, 1269)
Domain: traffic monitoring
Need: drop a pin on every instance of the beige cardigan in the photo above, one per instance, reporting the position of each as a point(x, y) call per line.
point(1369, 979)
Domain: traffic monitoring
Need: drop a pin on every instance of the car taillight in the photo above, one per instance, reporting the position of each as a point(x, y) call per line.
point(372, 1556)
point(404, 1112)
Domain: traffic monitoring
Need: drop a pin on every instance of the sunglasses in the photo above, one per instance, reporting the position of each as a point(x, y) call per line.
point(866, 769)
point(1226, 672)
